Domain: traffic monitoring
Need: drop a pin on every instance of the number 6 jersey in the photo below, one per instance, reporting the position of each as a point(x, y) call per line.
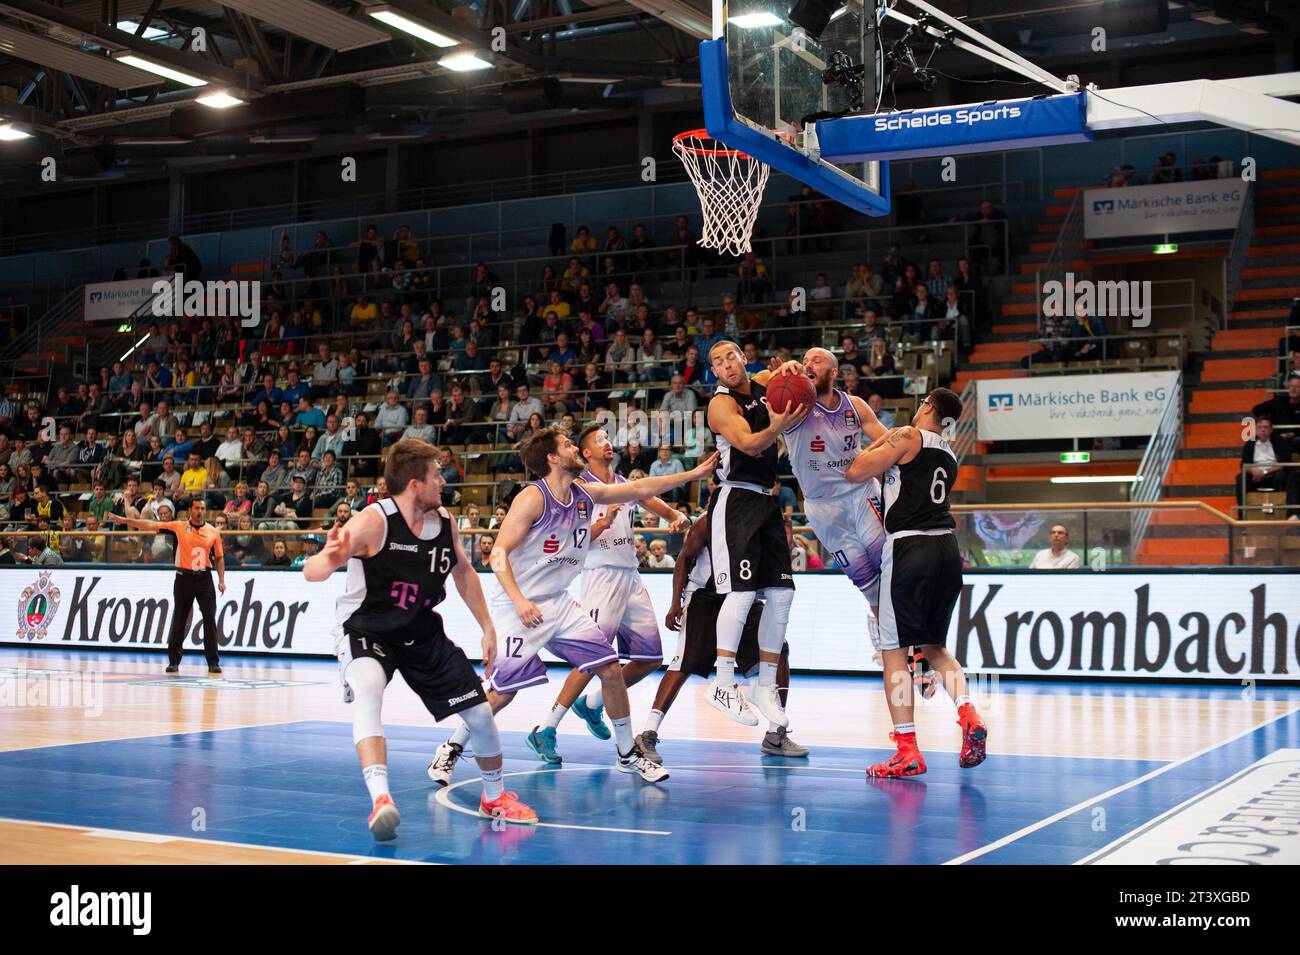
point(916, 493)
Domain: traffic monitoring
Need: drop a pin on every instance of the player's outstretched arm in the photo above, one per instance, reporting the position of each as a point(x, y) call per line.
point(471, 591)
point(871, 425)
point(646, 487)
point(690, 552)
point(360, 537)
point(677, 521)
point(524, 512)
point(900, 444)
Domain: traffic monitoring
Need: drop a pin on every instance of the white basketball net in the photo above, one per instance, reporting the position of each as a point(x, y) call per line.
point(730, 186)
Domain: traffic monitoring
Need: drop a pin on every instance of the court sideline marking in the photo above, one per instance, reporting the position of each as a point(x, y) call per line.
point(133, 836)
point(1042, 823)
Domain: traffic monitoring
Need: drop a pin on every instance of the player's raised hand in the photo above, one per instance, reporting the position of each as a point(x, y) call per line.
point(704, 468)
point(337, 542)
point(791, 368)
point(673, 619)
point(529, 615)
point(790, 419)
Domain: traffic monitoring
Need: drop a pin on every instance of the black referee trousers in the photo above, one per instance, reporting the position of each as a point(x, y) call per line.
point(191, 586)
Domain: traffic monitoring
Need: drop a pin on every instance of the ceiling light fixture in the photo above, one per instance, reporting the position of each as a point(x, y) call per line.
point(464, 62)
point(396, 20)
point(140, 63)
point(219, 99)
point(10, 133)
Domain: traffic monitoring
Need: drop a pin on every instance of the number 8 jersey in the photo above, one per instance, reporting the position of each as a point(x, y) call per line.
point(916, 493)
point(553, 553)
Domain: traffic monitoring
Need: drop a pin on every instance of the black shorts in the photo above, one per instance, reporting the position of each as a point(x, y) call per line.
point(697, 645)
point(433, 667)
point(747, 541)
point(920, 581)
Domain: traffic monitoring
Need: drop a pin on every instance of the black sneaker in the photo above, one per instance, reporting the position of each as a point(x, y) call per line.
point(172, 668)
point(215, 669)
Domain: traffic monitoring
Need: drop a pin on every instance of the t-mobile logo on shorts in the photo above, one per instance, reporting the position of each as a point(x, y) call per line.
point(403, 593)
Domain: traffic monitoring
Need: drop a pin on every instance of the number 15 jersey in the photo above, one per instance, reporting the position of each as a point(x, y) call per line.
point(916, 494)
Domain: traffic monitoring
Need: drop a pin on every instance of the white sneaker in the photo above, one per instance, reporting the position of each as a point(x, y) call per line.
point(731, 701)
point(636, 762)
point(444, 761)
point(768, 702)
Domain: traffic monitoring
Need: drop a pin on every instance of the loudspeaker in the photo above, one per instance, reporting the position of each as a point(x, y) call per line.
point(1134, 17)
point(531, 96)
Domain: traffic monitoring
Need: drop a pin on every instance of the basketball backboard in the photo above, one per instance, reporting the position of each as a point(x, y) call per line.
point(764, 85)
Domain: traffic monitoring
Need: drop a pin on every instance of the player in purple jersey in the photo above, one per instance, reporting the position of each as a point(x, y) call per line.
point(612, 593)
point(540, 550)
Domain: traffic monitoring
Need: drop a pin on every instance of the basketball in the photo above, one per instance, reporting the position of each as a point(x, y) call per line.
point(787, 391)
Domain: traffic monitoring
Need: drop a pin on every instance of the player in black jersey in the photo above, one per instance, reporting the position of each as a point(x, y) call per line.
point(747, 534)
point(920, 573)
point(399, 552)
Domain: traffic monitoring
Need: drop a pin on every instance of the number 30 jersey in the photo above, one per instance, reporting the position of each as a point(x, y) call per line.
point(553, 554)
point(916, 494)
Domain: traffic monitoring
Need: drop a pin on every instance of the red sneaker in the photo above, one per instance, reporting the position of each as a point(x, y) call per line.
point(384, 819)
point(908, 761)
point(974, 735)
point(508, 808)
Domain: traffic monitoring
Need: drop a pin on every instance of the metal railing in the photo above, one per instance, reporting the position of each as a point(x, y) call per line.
point(1239, 253)
point(1111, 356)
point(1068, 247)
point(965, 432)
point(1156, 459)
point(1290, 473)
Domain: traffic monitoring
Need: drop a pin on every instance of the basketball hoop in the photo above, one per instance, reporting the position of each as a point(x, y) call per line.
point(730, 186)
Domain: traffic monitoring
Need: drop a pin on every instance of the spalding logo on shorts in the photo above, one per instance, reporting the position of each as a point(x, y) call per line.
point(722, 578)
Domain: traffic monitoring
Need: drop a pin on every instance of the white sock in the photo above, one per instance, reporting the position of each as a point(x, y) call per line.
point(654, 720)
point(376, 777)
point(904, 727)
point(766, 674)
point(557, 713)
point(773, 727)
point(461, 736)
point(493, 787)
point(961, 701)
point(726, 671)
point(623, 734)
point(596, 695)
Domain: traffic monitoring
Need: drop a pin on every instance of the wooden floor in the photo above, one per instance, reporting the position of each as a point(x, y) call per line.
point(127, 698)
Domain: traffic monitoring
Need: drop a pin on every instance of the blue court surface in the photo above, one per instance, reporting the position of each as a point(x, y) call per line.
point(295, 785)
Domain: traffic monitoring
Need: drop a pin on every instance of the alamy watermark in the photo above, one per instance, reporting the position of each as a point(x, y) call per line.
point(1118, 299)
point(677, 428)
point(176, 297)
point(53, 689)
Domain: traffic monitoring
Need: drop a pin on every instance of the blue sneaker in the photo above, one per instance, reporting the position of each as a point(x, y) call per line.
point(593, 716)
point(542, 742)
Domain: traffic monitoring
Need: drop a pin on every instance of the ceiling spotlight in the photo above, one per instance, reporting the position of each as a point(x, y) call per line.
point(219, 99)
point(150, 33)
point(399, 22)
point(752, 21)
point(10, 133)
point(464, 62)
point(814, 15)
point(140, 63)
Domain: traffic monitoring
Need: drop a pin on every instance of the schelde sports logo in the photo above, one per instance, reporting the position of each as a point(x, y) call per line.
point(37, 606)
point(959, 116)
point(1002, 402)
point(1103, 207)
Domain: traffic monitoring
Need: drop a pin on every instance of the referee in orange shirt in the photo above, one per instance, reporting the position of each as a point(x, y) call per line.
point(198, 549)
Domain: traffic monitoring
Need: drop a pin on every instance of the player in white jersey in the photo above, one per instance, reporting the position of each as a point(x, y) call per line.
point(539, 551)
point(614, 596)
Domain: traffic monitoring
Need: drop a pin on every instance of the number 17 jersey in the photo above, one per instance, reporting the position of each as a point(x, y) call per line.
point(555, 549)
